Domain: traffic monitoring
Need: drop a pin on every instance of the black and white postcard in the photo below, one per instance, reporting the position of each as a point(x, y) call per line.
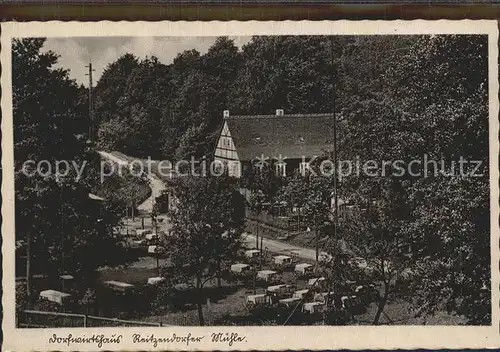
point(250, 185)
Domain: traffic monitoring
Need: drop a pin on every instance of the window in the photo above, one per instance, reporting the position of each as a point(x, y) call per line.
point(235, 169)
point(303, 168)
point(281, 169)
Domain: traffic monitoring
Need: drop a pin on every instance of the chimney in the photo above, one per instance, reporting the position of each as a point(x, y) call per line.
point(225, 113)
point(280, 112)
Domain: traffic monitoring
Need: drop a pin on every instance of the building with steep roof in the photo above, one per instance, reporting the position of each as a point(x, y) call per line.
point(284, 141)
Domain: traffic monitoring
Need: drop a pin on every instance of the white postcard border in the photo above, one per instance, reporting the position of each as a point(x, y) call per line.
point(269, 338)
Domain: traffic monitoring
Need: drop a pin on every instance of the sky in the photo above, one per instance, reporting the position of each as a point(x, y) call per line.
point(76, 53)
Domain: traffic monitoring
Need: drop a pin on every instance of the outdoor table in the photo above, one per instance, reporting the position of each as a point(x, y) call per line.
point(55, 296)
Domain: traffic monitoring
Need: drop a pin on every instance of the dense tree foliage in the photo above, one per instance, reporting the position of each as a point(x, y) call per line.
point(54, 213)
point(311, 195)
point(146, 108)
point(411, 100)
point(377, 237)
point(206, 226)
point(401, 98)
point(125, 189)
point(432, 105)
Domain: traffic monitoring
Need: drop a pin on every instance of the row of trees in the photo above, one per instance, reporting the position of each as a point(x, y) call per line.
point(429, 99)
point(63, 229)
point(399, 98)
point(435, 103)
point(147, 108)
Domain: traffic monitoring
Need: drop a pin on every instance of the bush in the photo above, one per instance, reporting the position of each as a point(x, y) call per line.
point(126, 189)
point(88, 300)
point(47, 306)
point(161, 296)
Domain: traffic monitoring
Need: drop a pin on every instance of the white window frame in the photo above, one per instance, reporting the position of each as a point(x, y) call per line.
point(235, 169)
point(303, 167)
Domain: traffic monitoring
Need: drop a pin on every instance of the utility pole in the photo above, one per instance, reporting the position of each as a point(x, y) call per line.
point(336, 214)
point(126, 218)
point(316, 238)
point(254, 264)
point(337, 269)
point(91, 111)
point(157, 250)
point(257, 234)
point(62, 234)
point(261, 251)
point(133, 209)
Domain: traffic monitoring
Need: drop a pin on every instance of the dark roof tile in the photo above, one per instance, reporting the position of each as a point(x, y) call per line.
point(291, 136)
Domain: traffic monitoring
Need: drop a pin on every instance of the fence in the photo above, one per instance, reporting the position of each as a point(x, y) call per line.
point(93, 321)
point(42, 319)
point(266, 230)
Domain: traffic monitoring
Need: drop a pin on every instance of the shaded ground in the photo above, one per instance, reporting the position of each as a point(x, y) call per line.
point(397, 313)
point(229, 305)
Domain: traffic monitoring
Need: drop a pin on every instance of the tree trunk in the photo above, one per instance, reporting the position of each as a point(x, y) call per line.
point(126, 219)
point(298, 221)
point(219, 283)
point(199, 302)
point(158, 264)
point(254, 281)
point(261, 252)
point(257, 235)
point(200, 314)
point(317, 246)
point(381, 305)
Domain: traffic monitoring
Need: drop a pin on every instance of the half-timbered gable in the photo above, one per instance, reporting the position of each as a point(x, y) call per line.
point(226, 153)
point(225, 147)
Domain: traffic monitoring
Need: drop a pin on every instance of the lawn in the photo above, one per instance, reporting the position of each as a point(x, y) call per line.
point(397, 313)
